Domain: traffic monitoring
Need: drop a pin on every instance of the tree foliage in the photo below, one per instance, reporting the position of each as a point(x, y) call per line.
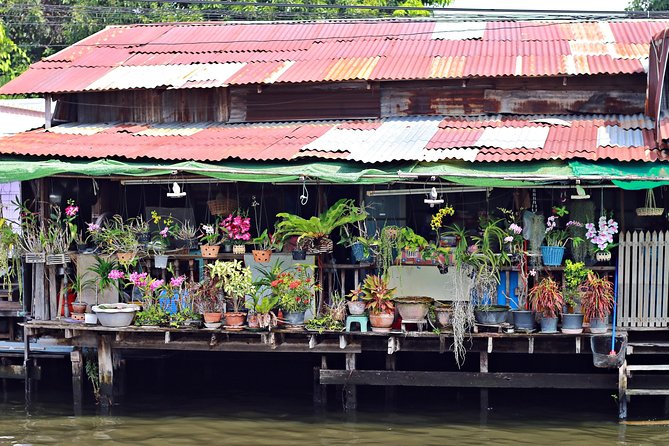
point(13, 60)
point(648, 5)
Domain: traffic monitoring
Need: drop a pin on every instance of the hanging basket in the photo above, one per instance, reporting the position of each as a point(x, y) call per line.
point(552, 255)
point(261, 255)
point(209, 251)
point(35, 257)
point(57, 259)
point(650, 209)
point(221, 206)
point(321, 245)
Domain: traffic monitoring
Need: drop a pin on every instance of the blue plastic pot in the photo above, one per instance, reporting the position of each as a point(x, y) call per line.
point(552, 255)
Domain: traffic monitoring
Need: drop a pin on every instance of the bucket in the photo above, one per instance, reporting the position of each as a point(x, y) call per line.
point(601, 351)
point(552, 255)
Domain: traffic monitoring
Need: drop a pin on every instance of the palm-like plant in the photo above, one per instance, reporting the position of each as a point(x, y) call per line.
point(546, 298)
point(597, 298)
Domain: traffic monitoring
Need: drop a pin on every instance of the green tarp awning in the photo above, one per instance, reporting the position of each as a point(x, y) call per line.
point(626, 175)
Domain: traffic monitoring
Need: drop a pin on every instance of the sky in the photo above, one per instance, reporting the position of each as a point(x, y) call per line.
point(575, 5)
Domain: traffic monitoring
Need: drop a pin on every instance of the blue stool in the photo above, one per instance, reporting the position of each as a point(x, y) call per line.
point(360, 319)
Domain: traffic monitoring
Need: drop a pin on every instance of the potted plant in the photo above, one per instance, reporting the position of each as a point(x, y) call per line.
point(313, 233)
point(332, 318)
point(410, 243)
point(265, 243)
point(32, 240)
point(575, 274)
point(355, 304)
point(602, 237)
point(237, 226)
point(295, 288)
point(260, 306)
point(160, 239)
point(413, 308)
point(546, 299)
point(118, 237)
point(207, 300)
point(375, 292)
point(105, 276)
point(10, 260)
point(236, 281)
point(556, 238)
point(210, 237)
point(115, 315)
point(186, 235)
point(597, 301)
point(57, 235)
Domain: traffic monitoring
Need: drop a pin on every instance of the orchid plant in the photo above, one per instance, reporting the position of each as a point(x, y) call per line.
point(556, 236)
point(602, 235)
point(238, 227)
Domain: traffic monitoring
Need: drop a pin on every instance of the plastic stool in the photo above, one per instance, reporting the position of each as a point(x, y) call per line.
point(360, 319)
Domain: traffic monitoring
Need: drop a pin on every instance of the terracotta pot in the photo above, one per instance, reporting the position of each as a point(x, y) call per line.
point(356, 307)
point(125, 257)
point(443, 316)
point(238, 249)
point(235, 319)
point(381, 320)
point(209, 251)
point(212, 318)
point(79, 307)
point(413, 308)
point(261, 255)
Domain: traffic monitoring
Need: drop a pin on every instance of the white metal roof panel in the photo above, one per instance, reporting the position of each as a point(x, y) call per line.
point(616, 136)
point(514, 137)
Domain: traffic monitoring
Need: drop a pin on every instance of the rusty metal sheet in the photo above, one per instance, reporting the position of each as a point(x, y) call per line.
point(553, 101)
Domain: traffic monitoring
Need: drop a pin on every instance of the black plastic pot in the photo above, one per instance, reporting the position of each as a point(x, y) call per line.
point(299, 254)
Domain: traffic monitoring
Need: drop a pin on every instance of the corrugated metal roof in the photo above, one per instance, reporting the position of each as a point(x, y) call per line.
point(427, 138)
point(20, 115)
point(164, 55)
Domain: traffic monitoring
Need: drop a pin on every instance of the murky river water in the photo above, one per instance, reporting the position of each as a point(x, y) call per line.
point(285, 418)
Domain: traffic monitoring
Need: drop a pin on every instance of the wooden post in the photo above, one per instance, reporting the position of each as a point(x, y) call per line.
point(106, 371)
point(119, 375)
point(391, 365)
point(77, 381)
point(320, 390)
point(484, 396)
point(622, 391)
point(54, 306)
point(47, 111)
point(350, 390)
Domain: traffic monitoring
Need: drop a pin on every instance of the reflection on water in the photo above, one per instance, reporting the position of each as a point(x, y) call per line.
point(285, 418)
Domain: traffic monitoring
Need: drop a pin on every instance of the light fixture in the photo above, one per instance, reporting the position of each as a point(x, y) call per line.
point(433, 198)
point(176, 191)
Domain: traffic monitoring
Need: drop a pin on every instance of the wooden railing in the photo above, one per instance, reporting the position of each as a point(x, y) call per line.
point(643, 280)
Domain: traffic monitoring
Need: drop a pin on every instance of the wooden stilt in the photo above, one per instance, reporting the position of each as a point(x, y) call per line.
point(622, 391)
point(390, 391)
point(320, 390)
point(350, 390)
point(106, 370)
point(119, 375)
point(4, 362)
point(77, 381)
point(484, 395)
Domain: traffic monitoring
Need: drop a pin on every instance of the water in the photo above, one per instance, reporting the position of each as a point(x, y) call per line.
point(279, 417)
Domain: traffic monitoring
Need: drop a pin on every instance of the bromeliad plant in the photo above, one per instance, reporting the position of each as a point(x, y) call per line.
point(375, 291)
point(546, 298)
point(597, 298)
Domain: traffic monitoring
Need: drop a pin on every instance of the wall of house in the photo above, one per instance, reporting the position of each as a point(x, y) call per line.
point(623, 94)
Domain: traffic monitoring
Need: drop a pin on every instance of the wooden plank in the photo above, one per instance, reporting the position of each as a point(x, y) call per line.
point(648, 367)
point(634, 288)
point(622, 391)
point(652, 271)
point(664, 285)
point(19, 372)
point(471, 379)
point(644, 267)
point(624, 303)
point(54, 308)
point(649, 392)
point(77, 363)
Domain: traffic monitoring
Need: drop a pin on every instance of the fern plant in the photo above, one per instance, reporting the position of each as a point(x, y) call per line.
point(342, 213)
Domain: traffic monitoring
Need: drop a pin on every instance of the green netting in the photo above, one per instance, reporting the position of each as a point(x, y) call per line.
point(496, 174)
point(617, 171)
point(334, 172)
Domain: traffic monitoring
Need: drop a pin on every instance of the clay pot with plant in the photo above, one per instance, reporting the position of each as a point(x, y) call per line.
point(235, 280)
point(207, 299)
point(547, 300)
point(597, 301)
point(379, 302)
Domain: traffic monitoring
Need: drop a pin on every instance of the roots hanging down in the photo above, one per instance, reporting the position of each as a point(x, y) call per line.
point(463, 314)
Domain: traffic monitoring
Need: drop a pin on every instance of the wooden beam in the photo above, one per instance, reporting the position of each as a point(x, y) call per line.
point(470, 379)
point(19, 372)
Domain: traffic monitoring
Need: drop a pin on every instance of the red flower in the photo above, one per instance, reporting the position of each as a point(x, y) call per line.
point(294, 284)
point(275, 282)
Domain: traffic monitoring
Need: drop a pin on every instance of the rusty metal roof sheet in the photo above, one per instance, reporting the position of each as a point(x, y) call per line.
point(165, 55)
point(423, 138)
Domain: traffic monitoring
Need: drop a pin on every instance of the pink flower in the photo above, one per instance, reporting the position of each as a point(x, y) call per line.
point(515, 228)
point(138, 279)
point(165, 231)
point(115, 274)
point(156, 284)
point(508, 239)
point(92, 227)
point(71, 211)
point(177, 281)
